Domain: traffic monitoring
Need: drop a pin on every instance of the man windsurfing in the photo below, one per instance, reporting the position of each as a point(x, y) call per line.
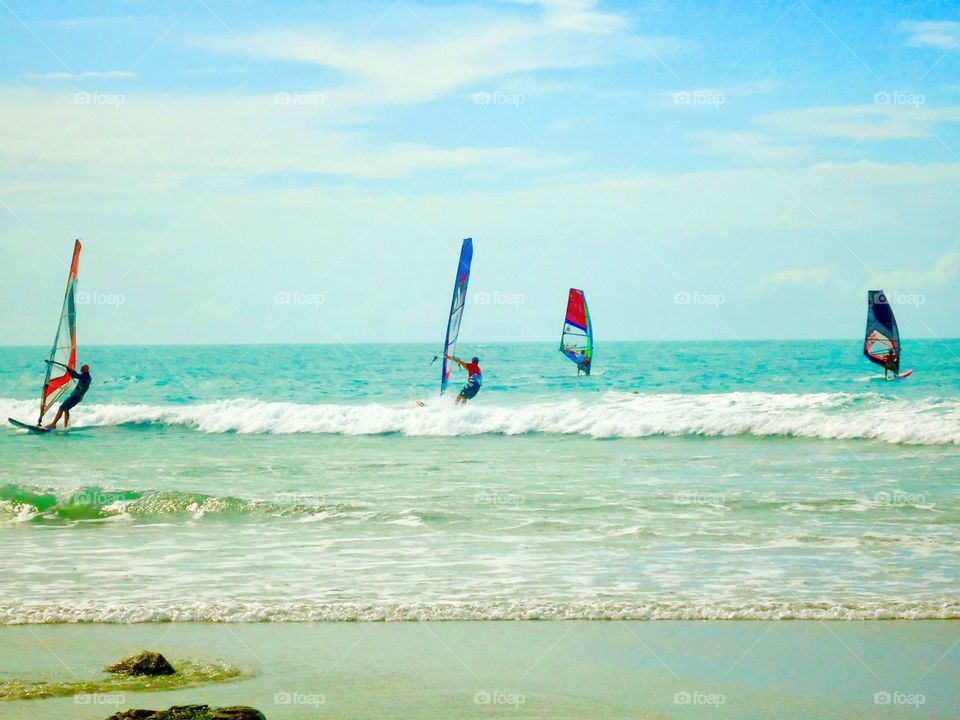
point(474, 379)
point(83, 384)
point(890, 365)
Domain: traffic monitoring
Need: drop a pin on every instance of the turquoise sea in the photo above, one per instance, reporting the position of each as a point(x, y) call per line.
point(682, 480)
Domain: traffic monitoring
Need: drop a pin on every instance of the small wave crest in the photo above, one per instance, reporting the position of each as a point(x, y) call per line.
point(20, 503)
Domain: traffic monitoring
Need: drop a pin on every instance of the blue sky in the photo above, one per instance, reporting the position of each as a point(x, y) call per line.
point(274, 172)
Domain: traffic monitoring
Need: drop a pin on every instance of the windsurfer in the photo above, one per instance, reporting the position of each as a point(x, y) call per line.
point(890, 364)
point(83, 384)
point(474, 379)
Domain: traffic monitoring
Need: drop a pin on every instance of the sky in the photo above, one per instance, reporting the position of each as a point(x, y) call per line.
point(259, 172)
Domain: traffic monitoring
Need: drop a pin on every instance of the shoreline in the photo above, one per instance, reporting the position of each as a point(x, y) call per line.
point(570, 669)
point(239, 614)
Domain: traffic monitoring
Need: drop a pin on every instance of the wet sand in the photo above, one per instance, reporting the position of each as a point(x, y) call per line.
point(576, 669)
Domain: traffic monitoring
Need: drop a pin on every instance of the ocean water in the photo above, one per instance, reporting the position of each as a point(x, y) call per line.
point(682, 480)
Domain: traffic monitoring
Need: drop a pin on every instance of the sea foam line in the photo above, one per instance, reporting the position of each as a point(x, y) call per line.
point(838, 416)
point(244, 612)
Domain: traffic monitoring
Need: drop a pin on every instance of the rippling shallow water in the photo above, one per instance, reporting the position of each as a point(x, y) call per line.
point(290, 483)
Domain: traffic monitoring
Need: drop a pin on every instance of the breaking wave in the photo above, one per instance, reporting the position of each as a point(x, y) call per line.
point(838, 416)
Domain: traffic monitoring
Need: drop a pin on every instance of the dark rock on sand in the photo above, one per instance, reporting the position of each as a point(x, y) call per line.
point(237, 712)
point(145, 663)
point(192, 712)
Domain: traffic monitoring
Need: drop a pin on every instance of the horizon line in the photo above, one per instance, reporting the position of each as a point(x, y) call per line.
point(475, 342)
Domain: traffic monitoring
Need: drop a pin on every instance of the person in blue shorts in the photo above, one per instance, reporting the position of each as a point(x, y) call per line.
point(83, 384)
point(474, 379)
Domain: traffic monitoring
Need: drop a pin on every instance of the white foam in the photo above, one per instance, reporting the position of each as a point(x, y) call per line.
point(244, 612)
point(613, 415)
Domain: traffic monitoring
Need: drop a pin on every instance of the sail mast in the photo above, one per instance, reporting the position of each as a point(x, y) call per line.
point(64, 351)
point(457, 303)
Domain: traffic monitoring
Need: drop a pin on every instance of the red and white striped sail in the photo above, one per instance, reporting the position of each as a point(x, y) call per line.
point(64, 350)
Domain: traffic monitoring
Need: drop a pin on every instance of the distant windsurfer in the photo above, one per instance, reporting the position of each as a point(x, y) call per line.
point(583, 366)
point(83, 384)
point(890, 365)
point(474, 379)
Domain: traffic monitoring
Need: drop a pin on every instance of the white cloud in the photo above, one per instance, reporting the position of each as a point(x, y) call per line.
point(942, 35)
point(667, 224)
point(93, 74)
point(753, 87)
point(215, 71)
point(98, 22)
point(746, 89)
point(795, 276)
point(578, 16)
point(944, 271)
point(746, 147)
point(443, 53)
point(864, 122)
point(160, 141)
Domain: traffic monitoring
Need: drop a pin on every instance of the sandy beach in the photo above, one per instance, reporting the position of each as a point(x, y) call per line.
point(576, 669)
